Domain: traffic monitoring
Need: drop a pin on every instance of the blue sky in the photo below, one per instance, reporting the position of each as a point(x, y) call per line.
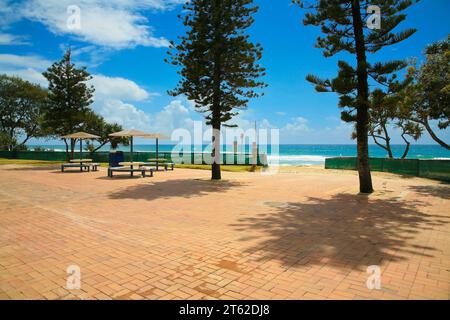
point(123, 44)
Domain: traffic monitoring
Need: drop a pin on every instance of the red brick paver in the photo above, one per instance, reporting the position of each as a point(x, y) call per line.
point(298, 235)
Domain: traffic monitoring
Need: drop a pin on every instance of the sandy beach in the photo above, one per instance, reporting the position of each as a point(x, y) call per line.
point(301, 234)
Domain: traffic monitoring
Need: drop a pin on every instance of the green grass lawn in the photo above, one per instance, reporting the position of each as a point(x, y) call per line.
point(232, 168)
point(28, 162)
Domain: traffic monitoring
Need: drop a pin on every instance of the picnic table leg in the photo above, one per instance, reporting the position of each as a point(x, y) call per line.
point(132, 171)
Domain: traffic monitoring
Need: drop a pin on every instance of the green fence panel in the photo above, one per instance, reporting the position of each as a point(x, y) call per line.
point(376, 164)
point(343, 163)
point(34, 155)
point(6, 154)
point(402, 166)
point(435, 169)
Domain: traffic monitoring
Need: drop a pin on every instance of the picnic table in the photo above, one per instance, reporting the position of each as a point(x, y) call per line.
point(157, 161)
point(131, 167)
point(131, 164)
point(80, 163)
point(88, 162)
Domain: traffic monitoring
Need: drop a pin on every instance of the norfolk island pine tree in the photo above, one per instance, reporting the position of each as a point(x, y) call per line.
point(343, 23)
point(219, 64)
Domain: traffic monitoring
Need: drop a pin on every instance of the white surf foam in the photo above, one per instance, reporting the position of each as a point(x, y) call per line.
point(293, 159)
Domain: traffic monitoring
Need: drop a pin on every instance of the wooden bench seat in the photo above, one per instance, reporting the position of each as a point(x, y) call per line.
point(85, 166)
point(141, 170)
point(166, 165)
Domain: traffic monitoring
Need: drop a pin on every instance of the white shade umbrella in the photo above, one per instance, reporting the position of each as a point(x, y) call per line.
point(130, 133)
point(80, 135)
point(157, 136)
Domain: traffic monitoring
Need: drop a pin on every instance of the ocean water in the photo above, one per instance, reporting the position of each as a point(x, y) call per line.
point(290, 154)
point(316, 154)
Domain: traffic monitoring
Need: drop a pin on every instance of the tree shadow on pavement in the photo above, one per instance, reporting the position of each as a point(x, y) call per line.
point(185, 188)
point(440, 191)
point(344, 230)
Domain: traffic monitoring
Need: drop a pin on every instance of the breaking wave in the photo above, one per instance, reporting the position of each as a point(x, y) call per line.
point(296, 159)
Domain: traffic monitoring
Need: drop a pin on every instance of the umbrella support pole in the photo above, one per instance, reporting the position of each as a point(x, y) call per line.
point(131, 151)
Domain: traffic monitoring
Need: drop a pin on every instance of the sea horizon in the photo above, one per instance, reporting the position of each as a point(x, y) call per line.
point(290, 154)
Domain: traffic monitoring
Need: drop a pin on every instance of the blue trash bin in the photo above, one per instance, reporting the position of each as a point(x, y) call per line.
point(115, 158)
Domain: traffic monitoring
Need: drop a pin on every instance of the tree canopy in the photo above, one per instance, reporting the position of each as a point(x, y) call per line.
point(344, 28)
point(96, 124)
point(218, 63)
point(69, 98)
point(22, 108)
point(428, 99)
point(29, 111)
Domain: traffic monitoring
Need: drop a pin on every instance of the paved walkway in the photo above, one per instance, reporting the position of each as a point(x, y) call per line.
point(298, 235)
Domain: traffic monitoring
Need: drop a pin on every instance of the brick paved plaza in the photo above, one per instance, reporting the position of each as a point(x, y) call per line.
point(294, 235)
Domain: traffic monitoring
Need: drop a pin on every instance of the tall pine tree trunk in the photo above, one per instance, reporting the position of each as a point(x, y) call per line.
point(216, 121)
point(362, 117)
point(215, 167)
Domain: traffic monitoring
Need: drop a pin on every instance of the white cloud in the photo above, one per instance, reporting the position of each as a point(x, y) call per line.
point(173, 116)
point(11, 39)
point(118, 88)
point(125, 114)
point(299, 131)
point(29, 74)
point(111, 94)
point(89, 55)
point(13, 60)
point(243, 120)
point(115, 24)
point(31, 67)
point(331, 131)
point(265, 124)
point(26, 67)
point(8, 13)
point(299, 126)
